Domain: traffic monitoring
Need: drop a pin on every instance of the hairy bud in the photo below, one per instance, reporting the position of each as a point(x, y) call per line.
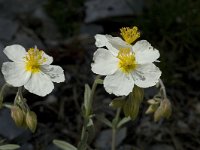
point(163, 111)
point(31, 120)
point(17, 115)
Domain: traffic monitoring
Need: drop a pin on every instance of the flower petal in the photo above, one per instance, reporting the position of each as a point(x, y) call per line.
point(49, 59)
point(104, 62)
point(144, 52)
point(15, 52)
point(119, 84)
point(112, 43)
point(39, 84)
point(15, 73)
point(56, 73)
point(146, 75)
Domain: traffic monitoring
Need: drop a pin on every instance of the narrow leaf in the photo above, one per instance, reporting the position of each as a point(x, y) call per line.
point(87, 102)
point(123, 121)
point(118, 102)
point(9, 147)
point(104, 120)
point(64, 145)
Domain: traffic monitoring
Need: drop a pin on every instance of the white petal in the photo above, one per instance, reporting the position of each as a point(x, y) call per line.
point(119, 84)
point(144, 52)
point(49, 59)
point(15, 73)
point(104, 62)
point(112, 43)
point(146, 75)
point(101, 40)
point(15, 52)
point(39, 84)
point(56, 73)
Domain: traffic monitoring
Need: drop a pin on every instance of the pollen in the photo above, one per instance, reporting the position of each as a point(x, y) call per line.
point(127, 62)
point(130, 34)
point(34, 59)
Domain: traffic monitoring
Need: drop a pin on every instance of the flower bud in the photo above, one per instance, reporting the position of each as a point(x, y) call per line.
point(163, 111)
point(31, 120)
point(17, 115)
point(151, 109)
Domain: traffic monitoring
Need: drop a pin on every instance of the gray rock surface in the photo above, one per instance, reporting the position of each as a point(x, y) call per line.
point(102, 9)
point(8, 128)
point(7, 29)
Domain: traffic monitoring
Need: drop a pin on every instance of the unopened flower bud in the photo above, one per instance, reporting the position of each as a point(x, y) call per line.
point(31, 120)
point(163, 111)
point(17, 115)
point(151, 109)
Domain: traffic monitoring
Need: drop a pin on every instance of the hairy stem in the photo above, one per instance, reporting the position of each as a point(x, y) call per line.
point(87, 116)
point(163, 89)
point(114, 129)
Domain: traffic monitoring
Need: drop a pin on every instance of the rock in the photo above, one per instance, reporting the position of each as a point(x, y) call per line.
point(103, 142)
point(8, 129)
point(91, 29)
point(13, 8)
point(7, 29)
point(102, 9)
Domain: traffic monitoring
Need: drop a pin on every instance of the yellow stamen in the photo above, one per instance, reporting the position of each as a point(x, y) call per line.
point(130, 34)
point(34, 59)
point(127, 61)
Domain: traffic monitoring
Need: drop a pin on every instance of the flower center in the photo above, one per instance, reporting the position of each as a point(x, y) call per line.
point(34, 59)
point(127, 61)
point(130, 34)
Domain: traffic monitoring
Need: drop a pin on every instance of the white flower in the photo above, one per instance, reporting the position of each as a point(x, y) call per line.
point(125, 65)
point(31, 69)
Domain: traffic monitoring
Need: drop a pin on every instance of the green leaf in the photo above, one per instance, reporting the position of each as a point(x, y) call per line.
point(99, 81)
point(132, 104)
point(64, 145)
point(9, 147)
point(123, 121)
point(104, 120)
point(87, 103)
point(117, 102)
point(83, 144)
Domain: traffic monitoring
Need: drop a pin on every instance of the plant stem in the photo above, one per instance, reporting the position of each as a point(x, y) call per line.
point(87, 116)
point(163, 89)
point(114, 128)
point(113, 138)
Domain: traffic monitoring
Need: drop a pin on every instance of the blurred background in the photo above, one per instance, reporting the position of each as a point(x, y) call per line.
point(65, 29)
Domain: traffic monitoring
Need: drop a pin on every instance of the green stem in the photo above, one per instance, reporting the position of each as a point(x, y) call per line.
point(114, 129)
point(92, 94)
point(163, 88)
point(87, 115)
point(113, 138)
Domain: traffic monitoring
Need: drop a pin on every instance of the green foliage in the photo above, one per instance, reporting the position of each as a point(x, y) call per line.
point(9, 147)
point(131, 104)
point(64, 145)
